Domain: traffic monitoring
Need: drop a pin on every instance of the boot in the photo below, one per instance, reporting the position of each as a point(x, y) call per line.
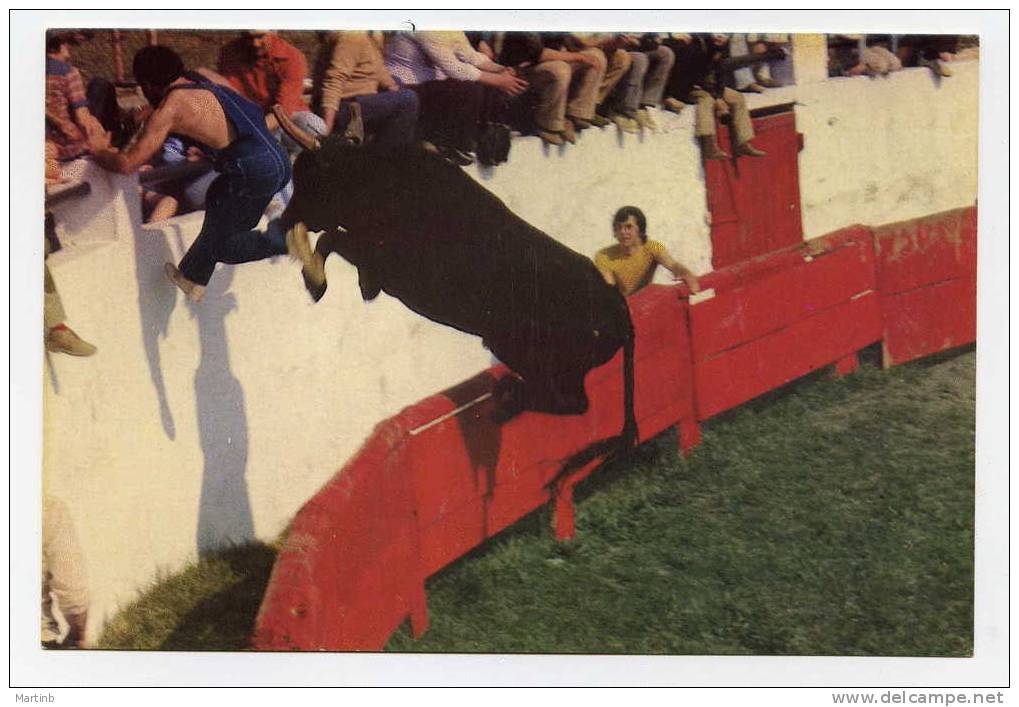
point(745, 149)
point(569, 133)
point(645, 119)
point(599, 121)
point(550, 137)
point(710, 149)
point(62, 339)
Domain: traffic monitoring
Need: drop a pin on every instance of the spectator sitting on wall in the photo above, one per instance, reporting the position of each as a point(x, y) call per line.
point(267, 70)
point(349, 69)
point(70, 125)
point(643, 85)
point(563, 83)
point(202, 109)
point(697, 78)
point(617, 64)
point(453, 82)
point(630, 264)
point(861, 55)
point(930, 50)
point(757, 77)
point(63, 578)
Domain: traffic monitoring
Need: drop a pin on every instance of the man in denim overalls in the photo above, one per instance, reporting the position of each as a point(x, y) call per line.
point(200, 108)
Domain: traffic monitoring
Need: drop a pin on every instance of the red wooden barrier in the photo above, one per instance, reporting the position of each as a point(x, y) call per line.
point(927, 273)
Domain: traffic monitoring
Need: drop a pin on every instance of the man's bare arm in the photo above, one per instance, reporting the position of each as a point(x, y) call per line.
point(144, 148)
point(679, 271)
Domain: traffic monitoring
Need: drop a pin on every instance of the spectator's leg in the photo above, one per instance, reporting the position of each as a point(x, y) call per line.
point(742, 127)
point(704, 125)
point(58, 336)
point(626, 96)
point(584, 86)
point(617, 66)
point(549, 82)
point(742, 77)
point(391, 116)
point(52, 307)
point(662, 60)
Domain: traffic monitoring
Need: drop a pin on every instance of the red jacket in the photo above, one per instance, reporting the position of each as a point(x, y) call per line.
point(277, 78)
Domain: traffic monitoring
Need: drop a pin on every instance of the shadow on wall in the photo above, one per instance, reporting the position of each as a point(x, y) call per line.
point(156, 300)
point(224, 510)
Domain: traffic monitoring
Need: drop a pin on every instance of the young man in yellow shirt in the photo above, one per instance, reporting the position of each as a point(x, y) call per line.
point(630, 264)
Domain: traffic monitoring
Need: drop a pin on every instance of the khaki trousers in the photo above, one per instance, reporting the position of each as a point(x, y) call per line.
point(704, 120)
point(565, 89)
point(618, 64)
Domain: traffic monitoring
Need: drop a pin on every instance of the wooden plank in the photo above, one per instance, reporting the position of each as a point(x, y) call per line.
point(923, 251)
point(742, 373)
point(927, 320)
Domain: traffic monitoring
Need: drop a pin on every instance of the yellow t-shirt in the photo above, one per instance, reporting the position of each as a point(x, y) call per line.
point(631, 272)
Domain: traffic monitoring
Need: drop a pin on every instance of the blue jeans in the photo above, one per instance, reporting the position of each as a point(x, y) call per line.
point(391, 116)
point(234, 206)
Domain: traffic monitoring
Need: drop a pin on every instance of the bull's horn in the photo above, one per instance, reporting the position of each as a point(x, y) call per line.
point(312, 264)
point(301, 137)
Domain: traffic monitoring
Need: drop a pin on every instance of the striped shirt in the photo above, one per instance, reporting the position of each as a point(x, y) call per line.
point(65, 92)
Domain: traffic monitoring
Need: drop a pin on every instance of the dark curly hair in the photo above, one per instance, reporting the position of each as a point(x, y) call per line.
point(157, 65)
point(638, 215)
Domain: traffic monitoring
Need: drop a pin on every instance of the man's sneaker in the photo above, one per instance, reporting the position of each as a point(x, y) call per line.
point(768, 82)
point(645, 119)
point(626, 124)
point(194, 291)
point(673, 105)
point(62, 339)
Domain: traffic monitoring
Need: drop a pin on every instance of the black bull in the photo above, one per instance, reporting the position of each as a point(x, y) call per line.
point(428, 234)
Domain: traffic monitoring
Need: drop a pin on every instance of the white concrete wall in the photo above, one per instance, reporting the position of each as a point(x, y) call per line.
point(196, 426)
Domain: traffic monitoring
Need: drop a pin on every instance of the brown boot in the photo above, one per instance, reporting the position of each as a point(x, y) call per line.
point(710, 149)
point(569, 133)
point(62, 339)
point(550, 137)
point(745, 149)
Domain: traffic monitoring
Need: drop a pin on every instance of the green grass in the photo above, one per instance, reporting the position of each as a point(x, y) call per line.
point(832, 517)
point(211, 605)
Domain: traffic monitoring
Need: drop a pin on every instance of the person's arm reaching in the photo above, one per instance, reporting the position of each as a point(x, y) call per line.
point(679, 271)
point(144, 148)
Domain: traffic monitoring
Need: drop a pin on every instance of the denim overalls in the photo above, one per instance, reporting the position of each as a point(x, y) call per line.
point(252, 169)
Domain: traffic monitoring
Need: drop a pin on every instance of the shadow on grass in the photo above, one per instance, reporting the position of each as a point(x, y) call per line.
point(225, 619)
point(210, 605)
